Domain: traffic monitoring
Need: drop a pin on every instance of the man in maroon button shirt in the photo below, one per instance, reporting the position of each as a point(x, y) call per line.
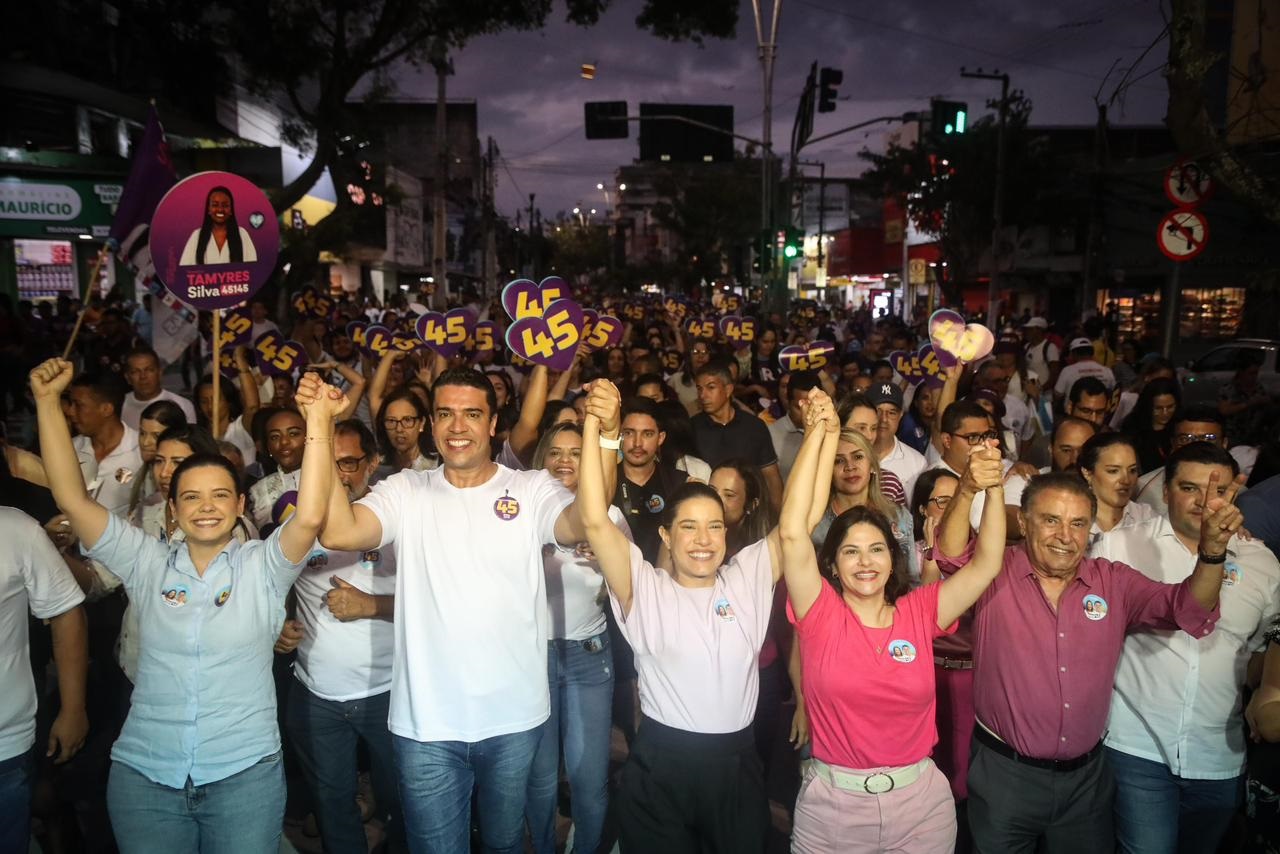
point(1047, 635)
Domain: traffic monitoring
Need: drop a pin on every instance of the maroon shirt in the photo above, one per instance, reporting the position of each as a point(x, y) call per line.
point(1043, 679)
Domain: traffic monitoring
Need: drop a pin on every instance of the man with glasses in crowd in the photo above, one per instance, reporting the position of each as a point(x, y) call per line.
point(1089, 400)
point(1194, 424)
point(965, 425)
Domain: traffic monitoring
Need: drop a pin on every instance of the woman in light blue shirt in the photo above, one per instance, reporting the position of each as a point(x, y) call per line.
point(197, 766)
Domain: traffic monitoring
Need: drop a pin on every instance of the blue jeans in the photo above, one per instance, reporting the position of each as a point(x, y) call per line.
point(325, 735)
point(242, 814)
point(436, 780)
point(16, 775)
point(580, 674)
point(1159, 813)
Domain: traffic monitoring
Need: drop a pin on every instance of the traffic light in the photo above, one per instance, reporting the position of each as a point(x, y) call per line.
point(792, 243)
point(949, 117)
point(828, 80)
point(606, 119)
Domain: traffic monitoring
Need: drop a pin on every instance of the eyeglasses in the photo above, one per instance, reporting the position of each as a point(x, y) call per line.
point(940, 502)
point(975, 438)
point(1188, 438)
point(700, 352)
point(350, 464)
point(407, 423)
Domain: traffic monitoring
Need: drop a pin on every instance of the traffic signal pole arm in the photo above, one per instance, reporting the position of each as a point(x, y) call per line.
point(689, 121)
point(905, 117)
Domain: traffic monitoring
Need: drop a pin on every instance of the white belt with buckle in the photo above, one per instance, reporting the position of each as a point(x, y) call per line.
point(878, 783)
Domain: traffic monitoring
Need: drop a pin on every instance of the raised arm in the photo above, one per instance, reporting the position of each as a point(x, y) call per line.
point(378, 385)
point(88, 518)
point(604, 399)
point(610, 545)
point(1219, 522)
point(320, 403)
point(814, 460)
point(524, 435)
point(962, 589)
point(249, 383)
point(355, 389)
point(946, 397)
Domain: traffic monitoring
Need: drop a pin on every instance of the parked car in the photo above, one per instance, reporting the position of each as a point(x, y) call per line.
point(1203, 377)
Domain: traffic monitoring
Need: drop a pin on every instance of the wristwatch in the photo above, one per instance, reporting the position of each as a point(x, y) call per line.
point(1204, 558)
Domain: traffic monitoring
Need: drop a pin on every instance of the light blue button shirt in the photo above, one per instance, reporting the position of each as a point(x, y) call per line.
point(204, 706)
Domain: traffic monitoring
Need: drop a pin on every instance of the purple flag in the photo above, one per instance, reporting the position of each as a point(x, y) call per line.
point(150, 177)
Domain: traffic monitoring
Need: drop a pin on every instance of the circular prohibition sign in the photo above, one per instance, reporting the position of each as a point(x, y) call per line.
point(1183, 234)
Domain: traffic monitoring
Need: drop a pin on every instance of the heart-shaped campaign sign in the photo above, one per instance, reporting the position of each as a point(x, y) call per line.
point(954, 342)
point(377, 341)
point(236, 329)
point(806, 357)
point(740, 331)
point(602, 331)
point(446, 334)
point(916, 367)
point(551, 339)
point(277, 357)
point(286, 505)
point(522, 298)
point(207, 249)
point(355, 331)
point(406, 342)
point(483, 337)
point(700, 327)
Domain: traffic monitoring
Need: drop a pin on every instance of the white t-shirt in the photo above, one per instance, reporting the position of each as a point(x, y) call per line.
point(1088, 368)
point(575, 598)
point(110, 480)
point(264, 494)
point(906, 462)
point(131, 413)
point(696, 648)
point(1039, 356)
point(32, 576)
point(471, 615)
point(344, 661)
point(238, 436)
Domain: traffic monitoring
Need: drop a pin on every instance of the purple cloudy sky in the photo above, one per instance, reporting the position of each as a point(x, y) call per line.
point(895, 56)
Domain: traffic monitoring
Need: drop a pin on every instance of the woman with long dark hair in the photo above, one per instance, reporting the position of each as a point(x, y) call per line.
point(866, 643)
point(403, 430)
point(1151, 420)
point(1109, 463)
point(219, 239)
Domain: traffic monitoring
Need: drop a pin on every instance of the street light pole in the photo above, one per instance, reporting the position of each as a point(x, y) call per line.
point(993, 286)
point(767, 44)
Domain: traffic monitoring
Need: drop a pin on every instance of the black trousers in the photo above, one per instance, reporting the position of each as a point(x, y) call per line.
point(1015, 808)
point(692, 793)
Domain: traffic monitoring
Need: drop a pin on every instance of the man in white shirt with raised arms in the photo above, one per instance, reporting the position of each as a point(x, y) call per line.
point(469, 681)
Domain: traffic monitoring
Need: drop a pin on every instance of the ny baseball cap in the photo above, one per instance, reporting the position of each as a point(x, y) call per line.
point(884, 393)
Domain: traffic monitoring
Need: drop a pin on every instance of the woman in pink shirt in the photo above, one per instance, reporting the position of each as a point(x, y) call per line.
point(693, 780)
point(866, 643)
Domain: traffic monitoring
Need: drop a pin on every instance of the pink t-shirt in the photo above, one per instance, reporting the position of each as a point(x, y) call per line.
point(870, 709)
point(696, 647)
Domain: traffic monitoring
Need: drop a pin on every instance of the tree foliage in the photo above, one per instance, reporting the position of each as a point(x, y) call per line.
point(950, 182)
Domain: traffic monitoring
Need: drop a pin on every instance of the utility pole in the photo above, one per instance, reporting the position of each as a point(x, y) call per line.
point(488, 254)
point(993, 288)
point(767, 44)
point(533, 250)
point(439, 212)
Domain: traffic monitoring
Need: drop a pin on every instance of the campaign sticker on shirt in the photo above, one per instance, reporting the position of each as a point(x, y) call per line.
point(506, 508)
point(1095, 607)
point(902, 651)
point(317, 559)
point(223, 595)
point(1232, 574)
point(656, 504)
point(725, 611)
point(174, 597)
point(124, 475)
point(369, 559)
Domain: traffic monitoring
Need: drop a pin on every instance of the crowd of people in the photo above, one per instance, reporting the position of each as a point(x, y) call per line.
point(419, 603)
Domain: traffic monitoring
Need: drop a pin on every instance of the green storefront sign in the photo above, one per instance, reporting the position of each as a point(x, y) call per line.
point(56, 209)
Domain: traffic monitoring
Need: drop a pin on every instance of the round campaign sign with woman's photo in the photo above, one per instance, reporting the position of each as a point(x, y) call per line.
point(214, 240)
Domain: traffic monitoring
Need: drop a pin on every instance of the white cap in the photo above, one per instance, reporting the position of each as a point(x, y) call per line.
point(1037, 322)
point(1080, 344)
